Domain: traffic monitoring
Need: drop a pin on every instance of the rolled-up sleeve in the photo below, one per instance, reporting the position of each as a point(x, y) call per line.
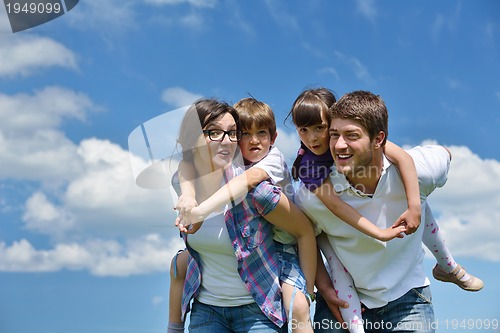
point(265, 197)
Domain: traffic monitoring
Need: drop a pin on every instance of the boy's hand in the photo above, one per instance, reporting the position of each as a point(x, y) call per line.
point(410, 218)
point(185, 204)
point(186, 226)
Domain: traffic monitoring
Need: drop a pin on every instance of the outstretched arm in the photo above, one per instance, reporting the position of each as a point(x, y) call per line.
point(290, 218)
point(351, 216)
point(235, 189)
point(404, 162)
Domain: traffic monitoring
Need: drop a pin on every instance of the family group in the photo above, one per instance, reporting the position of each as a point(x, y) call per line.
point(341, 229)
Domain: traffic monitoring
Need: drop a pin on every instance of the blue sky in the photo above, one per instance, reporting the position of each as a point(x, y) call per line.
point(84, 249)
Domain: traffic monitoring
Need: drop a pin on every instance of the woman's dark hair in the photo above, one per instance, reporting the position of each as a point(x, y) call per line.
point(197, 117)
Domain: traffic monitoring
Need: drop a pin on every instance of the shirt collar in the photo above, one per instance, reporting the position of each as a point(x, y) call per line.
point(341, 184)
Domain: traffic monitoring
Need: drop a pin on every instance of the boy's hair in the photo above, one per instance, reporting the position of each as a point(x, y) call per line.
point(255, 113)
point(366, 108)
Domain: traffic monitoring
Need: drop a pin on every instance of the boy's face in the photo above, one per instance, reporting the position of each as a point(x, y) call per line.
point(255, 143)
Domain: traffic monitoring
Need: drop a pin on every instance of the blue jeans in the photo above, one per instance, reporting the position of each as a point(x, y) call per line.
point(412, 312)
point(238, 319)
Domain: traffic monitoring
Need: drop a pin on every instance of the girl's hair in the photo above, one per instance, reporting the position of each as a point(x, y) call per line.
point(197, 117)
point(307, 110)
point(310, 105)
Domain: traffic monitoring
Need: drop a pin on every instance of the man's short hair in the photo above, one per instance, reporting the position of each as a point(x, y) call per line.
point(366, 108)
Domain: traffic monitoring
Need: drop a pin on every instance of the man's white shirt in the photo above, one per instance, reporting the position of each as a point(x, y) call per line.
point(382, 271)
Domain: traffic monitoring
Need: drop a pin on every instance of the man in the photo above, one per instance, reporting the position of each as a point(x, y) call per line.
point(389, 276)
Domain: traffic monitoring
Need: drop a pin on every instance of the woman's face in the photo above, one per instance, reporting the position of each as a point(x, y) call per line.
point(218, 154)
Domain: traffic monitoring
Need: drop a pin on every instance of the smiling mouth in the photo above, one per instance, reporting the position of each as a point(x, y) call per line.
point(344, 156)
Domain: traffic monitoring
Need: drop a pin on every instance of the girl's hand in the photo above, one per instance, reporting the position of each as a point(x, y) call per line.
point(410, 218)
point(392, 232)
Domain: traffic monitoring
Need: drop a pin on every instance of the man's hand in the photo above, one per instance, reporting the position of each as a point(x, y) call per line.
point(334, 304)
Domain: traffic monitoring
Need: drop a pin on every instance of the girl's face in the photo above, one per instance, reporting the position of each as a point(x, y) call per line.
point(315, 137)
point(219, 154)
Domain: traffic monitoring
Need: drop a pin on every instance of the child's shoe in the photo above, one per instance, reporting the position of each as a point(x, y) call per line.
point(471, 284)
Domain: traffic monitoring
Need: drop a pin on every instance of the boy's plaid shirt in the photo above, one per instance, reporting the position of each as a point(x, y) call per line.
point(252, 239)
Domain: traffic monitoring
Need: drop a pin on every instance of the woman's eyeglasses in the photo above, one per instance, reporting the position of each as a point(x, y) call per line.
point(218, 135)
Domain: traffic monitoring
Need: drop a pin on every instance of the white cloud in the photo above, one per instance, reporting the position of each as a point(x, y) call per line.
point(193, 21)
point(467, 206)
point(31, 146)
point(45, 109)
point(367, 9)
point(447, 23)
point(46, 156)
point(142, 255)
point(101, 222)
point(104, 15)
point(239, 21)
point(119, 16)
point(455, 84)
point(179, 97)
point(288, 143)
point(282, 17)
point(194, 3)
point(43, 216)
point(331, 71)
point(437, 27)
point(157, 300)
point(27, 55)
point(102, 200)
point(360, 71)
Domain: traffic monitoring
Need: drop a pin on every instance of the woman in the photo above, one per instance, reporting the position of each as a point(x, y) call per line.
point(233, 251)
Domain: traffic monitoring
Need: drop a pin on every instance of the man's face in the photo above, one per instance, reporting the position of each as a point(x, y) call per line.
point(351, 148)
point(255, 144)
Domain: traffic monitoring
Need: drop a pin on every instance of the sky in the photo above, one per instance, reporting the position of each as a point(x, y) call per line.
point(83, 248)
